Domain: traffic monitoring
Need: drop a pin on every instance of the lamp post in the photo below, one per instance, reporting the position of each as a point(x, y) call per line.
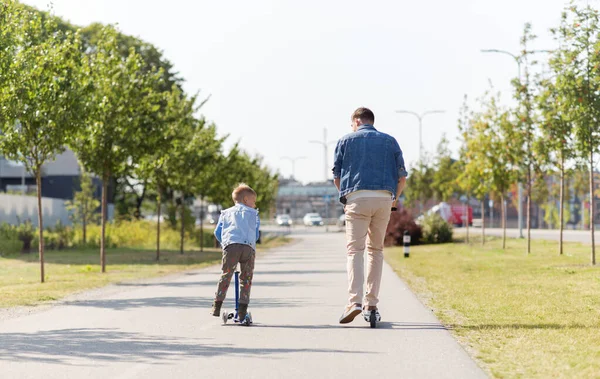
point(325, 145)
point(293, 160)
point(420, 117)
point(517, 59)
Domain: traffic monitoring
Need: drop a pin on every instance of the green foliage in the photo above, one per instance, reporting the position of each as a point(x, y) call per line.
point(138, 235)
point(59, 237)
point(419, 184)
point(436, 229)
point(445, 177)
point(120, 110)
point(83, 209)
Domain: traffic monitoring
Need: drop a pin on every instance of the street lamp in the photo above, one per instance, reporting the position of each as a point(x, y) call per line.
point(518, 60)
point(293, 160)
point(420, 118)
point(325, 145)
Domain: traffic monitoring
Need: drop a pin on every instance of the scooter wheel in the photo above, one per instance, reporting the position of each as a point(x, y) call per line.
point(373, 319)
point(224, 317)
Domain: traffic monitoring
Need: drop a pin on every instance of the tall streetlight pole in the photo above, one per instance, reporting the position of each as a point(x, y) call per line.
point(420, 117)
point(325, 145)
point(293, 160)
point(520, 185)
point(517, 59)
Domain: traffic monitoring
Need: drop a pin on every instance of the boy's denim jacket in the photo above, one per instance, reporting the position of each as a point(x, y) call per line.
point(238, 224)
point(368, 160)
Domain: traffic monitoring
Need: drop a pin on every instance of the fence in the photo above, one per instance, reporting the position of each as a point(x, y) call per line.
point(15, 208)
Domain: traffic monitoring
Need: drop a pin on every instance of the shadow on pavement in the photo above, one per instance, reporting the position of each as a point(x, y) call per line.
point(301, 272)
point(213, 283)
point(358, 324)
point(107, 346)
point(176, 302)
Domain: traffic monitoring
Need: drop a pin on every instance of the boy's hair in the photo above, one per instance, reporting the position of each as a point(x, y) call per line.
point(364, 114)
point(240, 191)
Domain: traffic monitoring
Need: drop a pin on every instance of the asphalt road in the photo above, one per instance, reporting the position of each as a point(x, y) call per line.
point(162, 328)
point(582, 236)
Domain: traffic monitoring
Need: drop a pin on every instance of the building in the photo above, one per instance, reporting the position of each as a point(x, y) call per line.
point(296, 199)
point(60, 181)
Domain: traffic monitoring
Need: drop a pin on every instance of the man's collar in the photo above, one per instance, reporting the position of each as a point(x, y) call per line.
point(365, 126)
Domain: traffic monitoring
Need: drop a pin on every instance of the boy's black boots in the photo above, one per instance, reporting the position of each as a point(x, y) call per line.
point(242, 311)
point(216, 308)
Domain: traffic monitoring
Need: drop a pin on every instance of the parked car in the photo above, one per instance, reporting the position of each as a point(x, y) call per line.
point(283, 220)
point(454, 214)
point(313, 219)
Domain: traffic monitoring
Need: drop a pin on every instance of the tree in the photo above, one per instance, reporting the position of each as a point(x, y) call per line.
point(444, 184)
point(503, 156)
point(526, 126)
point(419, 184)
point(556, 142)
point(199, 149)
point(42, 104)
point(577, 64)
point(476, 153)
point(120, 116)
point(84, 206)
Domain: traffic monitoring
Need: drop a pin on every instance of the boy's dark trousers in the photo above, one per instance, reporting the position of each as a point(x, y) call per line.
point(232, 254)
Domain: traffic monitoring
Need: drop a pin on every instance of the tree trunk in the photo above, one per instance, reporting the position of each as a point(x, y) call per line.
point(38, 182)
point(158, 209)
point(503, 210)
point(529, 209)
point(467, 216)
point(201, 223)
point(582, 214)
point(182, 227)
point(592, 207)
point(84, 222)
point(103, 228)
point(139, 201)
point(482, 222)
point(562, 204)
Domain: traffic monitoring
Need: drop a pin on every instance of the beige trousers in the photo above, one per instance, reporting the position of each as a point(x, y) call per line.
point(366, 223)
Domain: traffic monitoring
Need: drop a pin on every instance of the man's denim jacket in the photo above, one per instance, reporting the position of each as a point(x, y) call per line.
point(238, 224)
point(368, 160)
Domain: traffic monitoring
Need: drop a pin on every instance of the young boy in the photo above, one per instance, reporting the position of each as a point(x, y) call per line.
point(237, 231)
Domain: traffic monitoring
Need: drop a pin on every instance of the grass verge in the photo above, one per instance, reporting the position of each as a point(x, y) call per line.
point(72, 271)
point(535, 316)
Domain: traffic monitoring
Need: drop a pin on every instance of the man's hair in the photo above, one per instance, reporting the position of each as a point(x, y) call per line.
point(364, 114)
point(240, 191)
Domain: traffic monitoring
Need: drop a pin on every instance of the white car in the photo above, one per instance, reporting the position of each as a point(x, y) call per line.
point(313, 219)
point(283, 220)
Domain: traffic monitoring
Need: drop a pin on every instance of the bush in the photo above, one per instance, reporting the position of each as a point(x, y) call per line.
point(399, 222)
point(21, 235)
point(436, 229)
point(138, 234)
point(59, 237)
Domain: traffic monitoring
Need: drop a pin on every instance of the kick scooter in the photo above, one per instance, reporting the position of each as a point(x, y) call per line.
point(226, 316)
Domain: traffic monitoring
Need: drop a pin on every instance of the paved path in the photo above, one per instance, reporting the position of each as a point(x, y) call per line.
point(162, 329)
point(582, 236)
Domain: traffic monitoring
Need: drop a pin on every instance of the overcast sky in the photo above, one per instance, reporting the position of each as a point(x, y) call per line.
point(279, 71)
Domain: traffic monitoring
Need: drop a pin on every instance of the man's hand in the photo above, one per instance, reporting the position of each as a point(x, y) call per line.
point(399, 189)
point(336, 181)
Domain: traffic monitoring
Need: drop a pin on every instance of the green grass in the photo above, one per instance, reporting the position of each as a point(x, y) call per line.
point(72, 271)
point(520, 316)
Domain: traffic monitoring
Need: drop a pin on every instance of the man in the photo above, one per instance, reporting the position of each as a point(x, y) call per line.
point(369, 174)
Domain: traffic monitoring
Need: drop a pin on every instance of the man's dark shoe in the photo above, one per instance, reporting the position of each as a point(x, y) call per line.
point(216, 308)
